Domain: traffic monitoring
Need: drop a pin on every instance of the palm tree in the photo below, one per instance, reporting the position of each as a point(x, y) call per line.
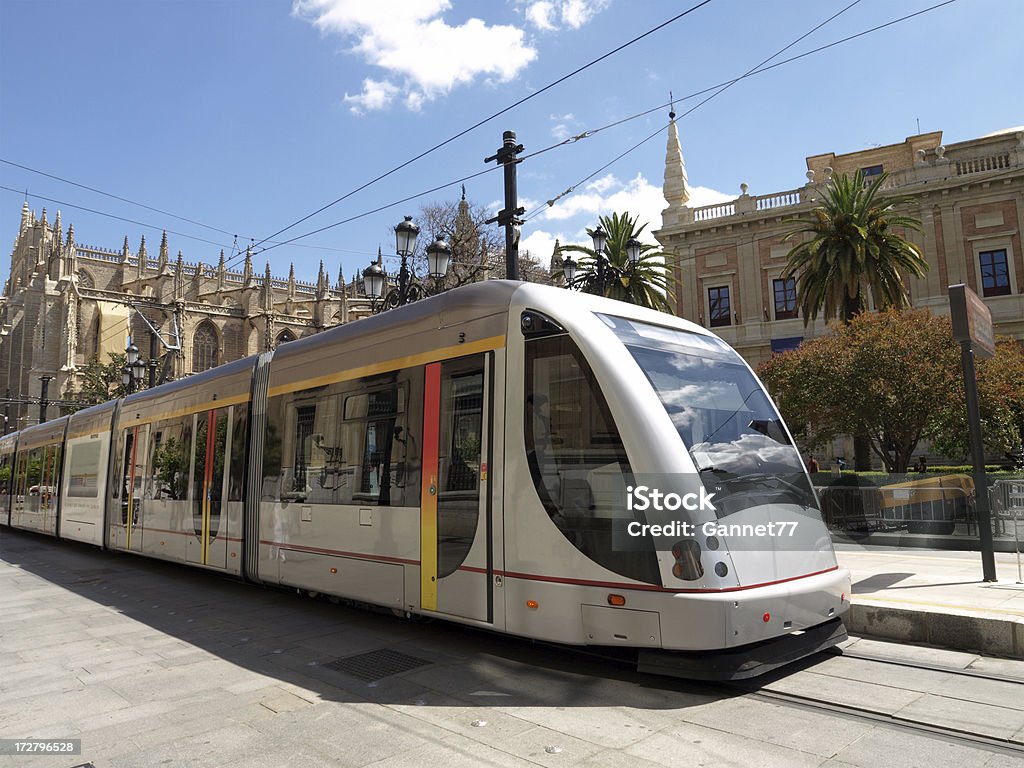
point(853, 248)
point(644, 282)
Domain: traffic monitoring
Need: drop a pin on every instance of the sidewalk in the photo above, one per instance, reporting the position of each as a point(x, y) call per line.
point(936, 597)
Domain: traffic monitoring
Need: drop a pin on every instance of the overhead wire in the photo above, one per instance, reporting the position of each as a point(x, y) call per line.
point(720, 88)
point(148, 208)
point(488, 119)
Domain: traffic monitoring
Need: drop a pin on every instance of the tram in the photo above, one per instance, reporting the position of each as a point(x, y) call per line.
point(468, 457)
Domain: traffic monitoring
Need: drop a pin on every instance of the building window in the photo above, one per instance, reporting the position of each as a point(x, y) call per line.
point(785, 298)
point(85, 279)
point(718, 304)
point(205, 354)
point(871, 173)
point(284, 337)
point(995, 273)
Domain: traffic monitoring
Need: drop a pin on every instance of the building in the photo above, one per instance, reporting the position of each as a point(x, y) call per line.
point(65, 304)
point(969, 197)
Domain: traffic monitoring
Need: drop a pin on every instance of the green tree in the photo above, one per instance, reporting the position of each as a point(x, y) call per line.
point(1001, 402)
point(644, 283)
point(850, 247)
point(895, 377)
point(99, 382)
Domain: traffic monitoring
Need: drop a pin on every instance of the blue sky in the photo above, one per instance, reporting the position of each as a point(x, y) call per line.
point(246, 116)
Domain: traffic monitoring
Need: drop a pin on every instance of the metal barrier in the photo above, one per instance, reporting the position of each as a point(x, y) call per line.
point(1008, 513)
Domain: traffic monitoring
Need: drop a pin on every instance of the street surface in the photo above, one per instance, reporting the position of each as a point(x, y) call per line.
point(149, 664)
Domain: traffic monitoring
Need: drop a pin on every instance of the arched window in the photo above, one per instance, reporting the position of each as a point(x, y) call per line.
point(85, 279)
point(205, 351)
point(284, 337)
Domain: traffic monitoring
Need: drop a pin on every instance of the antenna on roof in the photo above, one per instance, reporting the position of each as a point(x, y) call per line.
point(918, 124)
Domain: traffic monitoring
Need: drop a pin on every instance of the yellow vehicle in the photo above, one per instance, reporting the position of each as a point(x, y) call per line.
point(930, 505)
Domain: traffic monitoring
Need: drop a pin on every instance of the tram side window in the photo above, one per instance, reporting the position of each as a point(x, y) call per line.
point(84, 470)
point(576, 457)
point(5, 473)
point(170, 453)
point(375, 424)
point(239, 433)
point(348, 443)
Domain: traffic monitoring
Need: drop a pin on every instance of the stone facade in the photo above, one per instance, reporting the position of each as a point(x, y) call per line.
point(969, 197)
point(65, 304)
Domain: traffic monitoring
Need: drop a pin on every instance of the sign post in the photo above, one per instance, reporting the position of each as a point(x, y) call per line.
point(972, 327)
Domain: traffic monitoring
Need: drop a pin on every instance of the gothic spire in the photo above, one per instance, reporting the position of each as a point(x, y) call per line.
point(247, 268)
point(267, 290)
point(140, 268)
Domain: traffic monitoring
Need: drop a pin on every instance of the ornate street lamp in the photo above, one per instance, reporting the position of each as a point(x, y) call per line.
point(600, 238)
point(569, 269)
point(633, 248)
point(407, 290)
point(134, 369)
point(438, 256)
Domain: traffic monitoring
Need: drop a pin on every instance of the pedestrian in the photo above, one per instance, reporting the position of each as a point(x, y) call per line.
point(921, 465)
point(812, 464)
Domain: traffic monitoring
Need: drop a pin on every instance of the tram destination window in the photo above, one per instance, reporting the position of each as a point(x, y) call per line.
point(576, 457)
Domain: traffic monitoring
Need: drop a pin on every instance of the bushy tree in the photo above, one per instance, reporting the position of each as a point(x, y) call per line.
point(99, 382)
point(895, 377)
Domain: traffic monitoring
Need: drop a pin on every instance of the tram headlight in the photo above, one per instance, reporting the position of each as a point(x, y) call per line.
point(687, 556)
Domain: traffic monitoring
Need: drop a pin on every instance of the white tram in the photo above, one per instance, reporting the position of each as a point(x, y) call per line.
point(466, 457)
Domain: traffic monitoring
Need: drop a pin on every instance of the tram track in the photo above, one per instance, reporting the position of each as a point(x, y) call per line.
point(961, 671)
point(887, 720)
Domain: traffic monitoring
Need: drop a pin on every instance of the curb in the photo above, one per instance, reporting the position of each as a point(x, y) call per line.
point(959, 632)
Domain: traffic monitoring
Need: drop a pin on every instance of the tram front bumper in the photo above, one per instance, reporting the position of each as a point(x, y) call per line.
point(729, 619)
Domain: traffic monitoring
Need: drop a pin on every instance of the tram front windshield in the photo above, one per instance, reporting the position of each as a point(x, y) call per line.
point(725, 419)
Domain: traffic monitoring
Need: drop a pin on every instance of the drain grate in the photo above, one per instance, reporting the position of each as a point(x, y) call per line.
point(376, 665)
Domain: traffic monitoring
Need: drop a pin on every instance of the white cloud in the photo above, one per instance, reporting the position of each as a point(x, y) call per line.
point(424, 57)
point(539, 14)
point(567, 220)
point(376, 94)
point(550, 15)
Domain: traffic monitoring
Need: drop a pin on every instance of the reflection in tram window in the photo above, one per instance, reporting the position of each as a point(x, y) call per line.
point(735, 436)
point(347, 443)
point(461, 435)
point(239, 434)
point(208, 472)
point(170, 453)
point(576, 457)
point(132, 475)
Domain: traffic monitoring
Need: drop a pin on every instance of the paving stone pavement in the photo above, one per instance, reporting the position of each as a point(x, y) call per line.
point(153, 664)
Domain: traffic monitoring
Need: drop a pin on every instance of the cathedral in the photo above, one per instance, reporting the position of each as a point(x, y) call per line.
point(65, 304)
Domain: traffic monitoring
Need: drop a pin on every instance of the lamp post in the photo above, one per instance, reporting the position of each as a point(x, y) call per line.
point(133, 370)
point(408, 290)
point(600, 238)
point(571, 268)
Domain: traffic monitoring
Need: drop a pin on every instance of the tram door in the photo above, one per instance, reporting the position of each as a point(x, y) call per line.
point(206, 543)
point(455, 556)
point(127, 526)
